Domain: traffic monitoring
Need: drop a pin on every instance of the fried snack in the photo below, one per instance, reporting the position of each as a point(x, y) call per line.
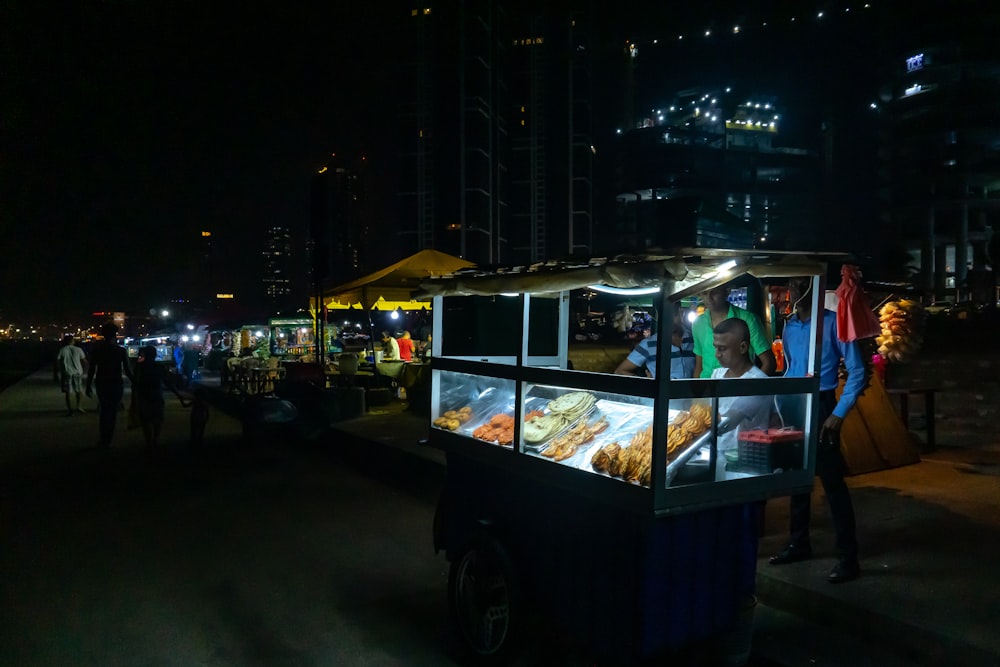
point(450, 414)
point(542, 428)
point(499, 429)
point(464, 416)
point(440, 421)
point(452, 424)
point(467, 408)
point(601, 460)
point(702, 413)
point(566, 445)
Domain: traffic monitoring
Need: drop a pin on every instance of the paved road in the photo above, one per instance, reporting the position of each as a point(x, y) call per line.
point(226, 556)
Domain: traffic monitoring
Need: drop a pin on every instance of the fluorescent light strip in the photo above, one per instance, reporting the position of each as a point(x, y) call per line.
point(624, 291)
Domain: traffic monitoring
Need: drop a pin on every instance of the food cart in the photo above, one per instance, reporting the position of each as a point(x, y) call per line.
point(622, 508)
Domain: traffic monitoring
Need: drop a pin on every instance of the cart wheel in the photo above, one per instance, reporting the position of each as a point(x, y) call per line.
point(484, 599)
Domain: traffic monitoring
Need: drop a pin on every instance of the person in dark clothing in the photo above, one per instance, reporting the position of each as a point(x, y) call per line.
point(830, 466)
point(108, 361)
point(147, 390)
point(199, 417)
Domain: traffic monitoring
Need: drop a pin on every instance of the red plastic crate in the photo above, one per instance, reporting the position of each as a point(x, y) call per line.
point(768, 450)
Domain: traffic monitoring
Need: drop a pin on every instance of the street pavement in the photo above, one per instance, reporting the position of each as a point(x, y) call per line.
point(276, 554)
point(930, 558)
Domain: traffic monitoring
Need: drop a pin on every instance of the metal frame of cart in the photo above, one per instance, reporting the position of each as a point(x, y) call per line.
point(665, 564)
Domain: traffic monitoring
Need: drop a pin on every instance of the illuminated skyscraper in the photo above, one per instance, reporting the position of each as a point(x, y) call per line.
point(495, 130)
point(941, 160)
point(277, 255)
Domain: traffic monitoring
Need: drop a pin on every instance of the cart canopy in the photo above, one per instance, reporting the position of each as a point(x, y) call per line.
point(394, 286)
point(691, 270)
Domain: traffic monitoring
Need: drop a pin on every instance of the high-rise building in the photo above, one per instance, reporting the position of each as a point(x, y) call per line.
point(940, 169)
point(495, 130)
point(340, 222)
point(707, 169)
point(277, 266)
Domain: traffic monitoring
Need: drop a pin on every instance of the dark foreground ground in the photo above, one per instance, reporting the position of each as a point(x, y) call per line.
point(291, 554)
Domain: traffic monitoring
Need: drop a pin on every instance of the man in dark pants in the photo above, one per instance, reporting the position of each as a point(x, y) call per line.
point(108, 361)
point(830, 465)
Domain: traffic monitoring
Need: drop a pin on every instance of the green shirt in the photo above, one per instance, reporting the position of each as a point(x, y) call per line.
point(704, 343)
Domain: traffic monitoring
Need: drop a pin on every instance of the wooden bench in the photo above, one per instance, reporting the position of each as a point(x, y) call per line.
point(904, 394)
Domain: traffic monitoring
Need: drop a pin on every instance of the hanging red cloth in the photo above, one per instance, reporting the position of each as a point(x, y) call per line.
point(855, 319)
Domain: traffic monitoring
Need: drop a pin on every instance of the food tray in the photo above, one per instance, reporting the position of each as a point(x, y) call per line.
point(623, 422)
point(535, 403)
point(484, 406)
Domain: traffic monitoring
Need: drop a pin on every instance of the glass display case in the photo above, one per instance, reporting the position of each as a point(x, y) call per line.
point(503, 393)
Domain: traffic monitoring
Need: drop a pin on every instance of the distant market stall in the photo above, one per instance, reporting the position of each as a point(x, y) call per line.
point(392, 288)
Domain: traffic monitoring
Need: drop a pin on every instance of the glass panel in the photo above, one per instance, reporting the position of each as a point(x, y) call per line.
point(751, 436)
point(543, 327)
point(481, 326)
point(585, 429)
point(475, 406)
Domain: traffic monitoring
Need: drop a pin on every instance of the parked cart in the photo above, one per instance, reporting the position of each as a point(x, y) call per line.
point(624, 510)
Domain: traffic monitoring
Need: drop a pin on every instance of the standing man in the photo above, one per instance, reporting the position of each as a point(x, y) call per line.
point(830, 465)
point(69, 373)
point(107, 362)
point(717, 309)
point(390, 347)
point(406, 348)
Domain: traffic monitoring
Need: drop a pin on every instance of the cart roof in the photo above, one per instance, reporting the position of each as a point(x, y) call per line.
point(691, 270)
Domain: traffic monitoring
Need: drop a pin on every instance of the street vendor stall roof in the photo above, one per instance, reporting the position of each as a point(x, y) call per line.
point(395, 284)
point(692, 270)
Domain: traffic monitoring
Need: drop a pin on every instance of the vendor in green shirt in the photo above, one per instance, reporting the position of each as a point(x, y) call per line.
point(717, 309)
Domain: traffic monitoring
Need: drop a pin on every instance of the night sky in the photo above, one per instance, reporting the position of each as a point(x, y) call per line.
point(130, 126)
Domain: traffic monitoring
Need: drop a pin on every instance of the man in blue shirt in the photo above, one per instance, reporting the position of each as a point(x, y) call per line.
point(830, 465)
point(642, 359)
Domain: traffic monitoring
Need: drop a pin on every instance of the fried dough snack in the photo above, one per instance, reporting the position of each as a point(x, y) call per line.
point(499, 429)
point(452, 419)
point(565, 446)
point(633, 463)
point(687, 426)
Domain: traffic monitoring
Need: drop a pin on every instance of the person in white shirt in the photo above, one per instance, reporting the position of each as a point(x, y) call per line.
point(70, 364)
point(390, 347)
point(731, 339)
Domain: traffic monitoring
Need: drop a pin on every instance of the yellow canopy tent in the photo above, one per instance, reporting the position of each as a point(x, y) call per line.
point(393, 287)
point(381, 304)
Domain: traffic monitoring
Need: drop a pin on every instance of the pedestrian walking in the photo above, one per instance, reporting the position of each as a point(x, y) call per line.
point(69, 366)
point(830, 466)
point(108, 361)
point(147, 392)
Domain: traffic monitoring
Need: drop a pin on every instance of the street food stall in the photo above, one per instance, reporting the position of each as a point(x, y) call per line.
point(625, 509)
point(391, 290)
point(292, 338)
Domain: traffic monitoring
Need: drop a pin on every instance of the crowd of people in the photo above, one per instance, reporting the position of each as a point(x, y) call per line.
point(103, 373)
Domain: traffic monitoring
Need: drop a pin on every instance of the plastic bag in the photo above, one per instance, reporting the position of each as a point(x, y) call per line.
point(855, 319)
